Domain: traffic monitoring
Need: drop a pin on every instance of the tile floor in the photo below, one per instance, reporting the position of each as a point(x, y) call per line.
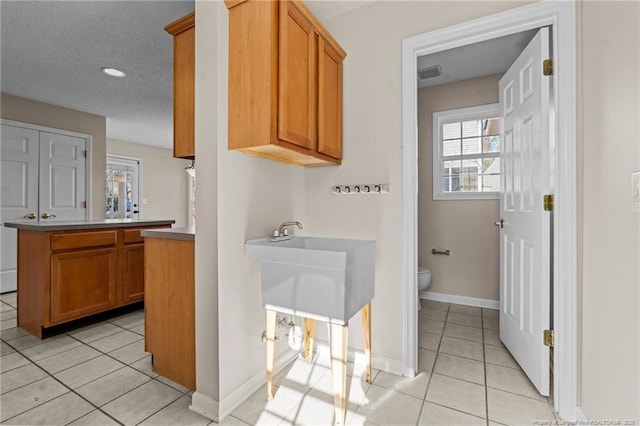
point(100, 375)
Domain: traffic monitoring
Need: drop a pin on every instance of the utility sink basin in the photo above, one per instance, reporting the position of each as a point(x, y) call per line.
point(328, 279)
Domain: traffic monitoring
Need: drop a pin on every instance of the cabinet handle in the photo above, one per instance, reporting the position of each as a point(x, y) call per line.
point(47, 215)
point(29, 216)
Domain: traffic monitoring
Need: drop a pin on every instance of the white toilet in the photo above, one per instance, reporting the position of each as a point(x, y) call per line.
point(424, 280)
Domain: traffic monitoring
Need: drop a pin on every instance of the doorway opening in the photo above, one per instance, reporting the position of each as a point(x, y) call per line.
point(124, 190)
point(560, 18)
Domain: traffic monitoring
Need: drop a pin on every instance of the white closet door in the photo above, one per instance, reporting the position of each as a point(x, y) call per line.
point(19, 173)
point(62, 177)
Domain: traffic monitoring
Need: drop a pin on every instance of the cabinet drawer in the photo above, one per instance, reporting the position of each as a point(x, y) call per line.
point(83, 240)
point(132, 236)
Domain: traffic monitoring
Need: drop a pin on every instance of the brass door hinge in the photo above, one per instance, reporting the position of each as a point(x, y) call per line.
point(547, 67)
point(84, 153)
point(84, 204)
point(548, 338)
point(548, 203)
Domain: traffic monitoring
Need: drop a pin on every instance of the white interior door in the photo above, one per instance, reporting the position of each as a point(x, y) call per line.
point(525, 238)
point(19, 163)
point(62, 177)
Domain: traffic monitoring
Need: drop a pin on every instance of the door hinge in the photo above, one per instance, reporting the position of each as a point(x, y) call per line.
point(547, 67)
point(548, 338)
point(84, 153)
point(548, 203)
point(84, 204)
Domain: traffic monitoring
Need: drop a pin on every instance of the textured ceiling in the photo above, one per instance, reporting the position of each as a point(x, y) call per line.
point(475, 60)
point(52, 51)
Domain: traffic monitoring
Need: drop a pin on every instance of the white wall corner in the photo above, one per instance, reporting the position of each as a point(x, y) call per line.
point(204, 405)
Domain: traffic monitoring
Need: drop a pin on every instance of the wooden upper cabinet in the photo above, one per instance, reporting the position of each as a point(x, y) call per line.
point(285, 83)
point(184, 42)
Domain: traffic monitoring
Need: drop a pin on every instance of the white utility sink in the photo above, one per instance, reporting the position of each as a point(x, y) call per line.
point(328, 279)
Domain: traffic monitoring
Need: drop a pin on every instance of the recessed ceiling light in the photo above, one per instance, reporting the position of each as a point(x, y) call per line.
point(113, 72)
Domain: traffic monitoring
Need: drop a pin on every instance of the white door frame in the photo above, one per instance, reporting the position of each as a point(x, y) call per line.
point(88, 160)
point(138, 160)
point(560, 16)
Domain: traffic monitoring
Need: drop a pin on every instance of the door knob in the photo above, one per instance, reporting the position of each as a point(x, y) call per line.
point(29, 216)
point(500, 224)
point(47, 215)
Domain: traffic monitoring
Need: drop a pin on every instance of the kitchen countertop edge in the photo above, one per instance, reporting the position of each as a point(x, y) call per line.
point(86, 224)
point(185, 233)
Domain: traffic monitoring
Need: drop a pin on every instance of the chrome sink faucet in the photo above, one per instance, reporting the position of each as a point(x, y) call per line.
point(281, 234)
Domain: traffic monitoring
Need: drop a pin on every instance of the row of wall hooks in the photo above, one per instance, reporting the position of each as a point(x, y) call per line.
point(360, 189)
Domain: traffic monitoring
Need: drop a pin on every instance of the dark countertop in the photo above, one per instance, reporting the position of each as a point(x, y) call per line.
point(186, 233)
point(45, 226)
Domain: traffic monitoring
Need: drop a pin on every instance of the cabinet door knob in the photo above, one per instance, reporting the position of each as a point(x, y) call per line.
point(29, 216)
point(47, 215)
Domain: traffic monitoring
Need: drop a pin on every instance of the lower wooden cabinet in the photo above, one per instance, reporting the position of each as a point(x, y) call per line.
point(66, 275)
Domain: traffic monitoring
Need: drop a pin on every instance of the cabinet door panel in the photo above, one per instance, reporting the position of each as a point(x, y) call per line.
point(82, 282)
point(184, 94)
point(133, 273)
point(297, 78)
point(329, 100)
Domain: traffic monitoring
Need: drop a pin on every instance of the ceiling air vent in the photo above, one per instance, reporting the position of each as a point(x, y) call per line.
point(431, 72)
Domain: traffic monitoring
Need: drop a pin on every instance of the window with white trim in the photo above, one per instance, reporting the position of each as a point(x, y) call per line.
point(466, 153)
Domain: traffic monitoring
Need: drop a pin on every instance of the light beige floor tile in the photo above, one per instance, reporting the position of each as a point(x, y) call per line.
point(460, 368)
point(301, 373)
point(115, 341)
point(113, 385)
point(176, 386)
point(429, 341)
point(12, 301)
point(129, 320)
point(139, 329)
point(458, 394)
point(88, 371)
point(432, 314)
point(463, 332)
point(95, 418)
point(510, 380)
point(231, 421)
point(135, 406)
point(12, 361)
point(130, 353)
point(463, 348)
point(430, 326)
point(434, 304)
point(316, 408)
point(144, 365)
point(492, 337)
point(177, 413)
point(256, 409)
point(63, 360)
point(27, 397)
point(51, 346)
point(490, 313)
point(426, 359)
point(58, 411)
point(413, 386)
point(389, 407)
point(26, 341)
point(437, 415)
point(464, 319)
point(8, 324)
point(464, 309)
point(9, 314)
point(13, 333)
point(5, 349)
point(20, 376)
point(500, 356)
point(513, 409)
point(356, 386)
point(94, 332)
point(11, 295)
point(491, 324)
point(6, 308)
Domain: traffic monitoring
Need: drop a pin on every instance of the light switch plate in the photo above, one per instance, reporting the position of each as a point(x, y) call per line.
point(635, 192)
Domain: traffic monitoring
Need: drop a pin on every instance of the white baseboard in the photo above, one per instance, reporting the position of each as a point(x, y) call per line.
point(8, 281)
point(581, 417)
point(460, 300)
point(204, 405)
point(245, 390)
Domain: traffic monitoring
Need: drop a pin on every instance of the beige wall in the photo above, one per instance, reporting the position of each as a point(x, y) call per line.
point(164, 181)
point(39, 113)
point(466, 227)
point(609, 96)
